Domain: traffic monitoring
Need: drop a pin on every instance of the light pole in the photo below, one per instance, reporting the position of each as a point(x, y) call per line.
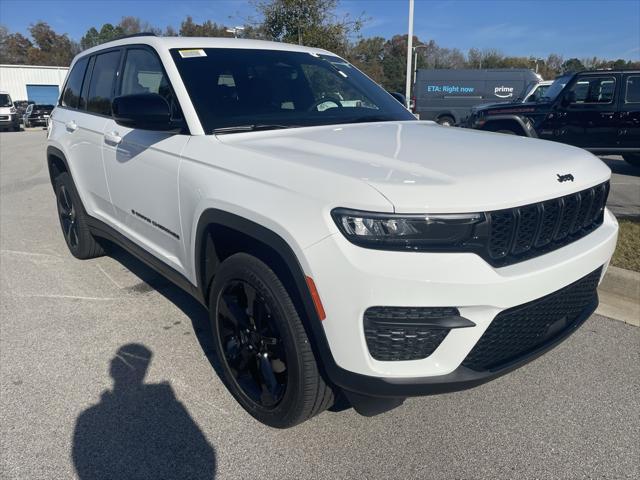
point(409, 51)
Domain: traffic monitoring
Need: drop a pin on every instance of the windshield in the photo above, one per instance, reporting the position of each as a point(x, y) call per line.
point(278, 89)
point(556, 87)
point(5, 100)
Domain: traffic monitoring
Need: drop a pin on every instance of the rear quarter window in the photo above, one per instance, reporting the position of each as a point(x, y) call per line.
point(71, 94)
point(632, 89)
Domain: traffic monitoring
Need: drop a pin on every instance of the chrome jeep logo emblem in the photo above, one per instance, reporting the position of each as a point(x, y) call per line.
point(565, 178)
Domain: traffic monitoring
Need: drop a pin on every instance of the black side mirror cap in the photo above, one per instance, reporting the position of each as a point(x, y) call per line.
point(145, 111)
point(399, 97)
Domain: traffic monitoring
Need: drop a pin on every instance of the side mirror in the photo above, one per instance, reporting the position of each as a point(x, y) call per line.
point(568, 99)
point(399, 97)
point(146, 111)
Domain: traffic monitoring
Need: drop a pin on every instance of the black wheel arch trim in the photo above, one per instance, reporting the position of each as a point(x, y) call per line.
point(527, 128)
point(206, 265)
point(56, 152)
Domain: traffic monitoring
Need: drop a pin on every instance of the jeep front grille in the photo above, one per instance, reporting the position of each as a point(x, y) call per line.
point(521, 233)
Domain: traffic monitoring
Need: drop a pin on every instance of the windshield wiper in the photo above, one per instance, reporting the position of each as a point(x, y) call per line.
point(249, 128)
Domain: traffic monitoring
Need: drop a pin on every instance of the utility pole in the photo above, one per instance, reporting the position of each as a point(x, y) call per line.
point(409, 52)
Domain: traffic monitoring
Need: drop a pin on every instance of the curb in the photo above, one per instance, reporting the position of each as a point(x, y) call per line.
point(620, 295)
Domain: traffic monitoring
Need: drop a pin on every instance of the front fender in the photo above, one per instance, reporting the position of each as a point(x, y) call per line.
point(525, 124)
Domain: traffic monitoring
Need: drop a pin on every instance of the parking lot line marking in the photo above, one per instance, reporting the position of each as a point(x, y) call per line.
point(109, 277)
point(73, 297)
point(19, 252)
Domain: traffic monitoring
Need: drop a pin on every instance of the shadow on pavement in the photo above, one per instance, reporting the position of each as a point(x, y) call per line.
point(139, 430)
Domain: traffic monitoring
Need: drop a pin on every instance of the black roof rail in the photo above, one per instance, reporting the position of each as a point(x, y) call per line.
point(141, 34)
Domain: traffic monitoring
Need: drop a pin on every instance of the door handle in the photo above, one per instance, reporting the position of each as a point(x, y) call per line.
point(71, 126)
point(112, 138)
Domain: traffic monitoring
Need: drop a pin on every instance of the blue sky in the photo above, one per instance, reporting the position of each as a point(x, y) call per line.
point(572, 28)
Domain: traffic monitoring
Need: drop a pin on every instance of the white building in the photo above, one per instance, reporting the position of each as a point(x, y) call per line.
point(35, 83)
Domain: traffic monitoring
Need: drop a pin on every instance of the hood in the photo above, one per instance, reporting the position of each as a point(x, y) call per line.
point(5, 110)
point(422, 167)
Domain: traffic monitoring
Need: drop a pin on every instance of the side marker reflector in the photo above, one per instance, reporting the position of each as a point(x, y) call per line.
point(316, 298)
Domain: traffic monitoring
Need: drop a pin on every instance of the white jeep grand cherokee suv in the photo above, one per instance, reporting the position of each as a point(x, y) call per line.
point(341, 246)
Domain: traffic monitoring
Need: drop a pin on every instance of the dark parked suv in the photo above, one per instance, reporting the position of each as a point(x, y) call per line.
point(37, 115)
point(598, 111)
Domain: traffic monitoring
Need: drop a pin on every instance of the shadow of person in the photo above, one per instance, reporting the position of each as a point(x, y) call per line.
point(138, 430)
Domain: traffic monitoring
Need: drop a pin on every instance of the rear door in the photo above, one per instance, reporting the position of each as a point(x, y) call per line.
point(629, 133)
point(589, 120)
point(82, 115)
point(142, 165)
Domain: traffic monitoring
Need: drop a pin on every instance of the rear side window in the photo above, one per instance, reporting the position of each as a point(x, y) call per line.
point(71, 95)
point(102, 82)
point(632, 94)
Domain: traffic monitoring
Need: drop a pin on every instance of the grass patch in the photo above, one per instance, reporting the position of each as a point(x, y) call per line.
point(627, 254)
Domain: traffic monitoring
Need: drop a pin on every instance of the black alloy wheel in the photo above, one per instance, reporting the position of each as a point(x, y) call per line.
point(74, 220)
point(266, 358)
point(253, 348)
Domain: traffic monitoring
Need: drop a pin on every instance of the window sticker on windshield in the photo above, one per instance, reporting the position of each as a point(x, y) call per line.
point(195, 52)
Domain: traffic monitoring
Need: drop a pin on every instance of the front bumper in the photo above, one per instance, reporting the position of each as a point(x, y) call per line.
point(38, 121)
point(11, 120)
point(351, 279)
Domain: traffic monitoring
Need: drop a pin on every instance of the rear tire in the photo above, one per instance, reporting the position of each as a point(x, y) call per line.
point(632, 159)
point(262, 348)
point(74, 220)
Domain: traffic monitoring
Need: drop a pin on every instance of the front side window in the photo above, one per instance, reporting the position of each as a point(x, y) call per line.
point(5, 100)
point(143, 73)
point(590, 90)
point(102, 82)
point(71, 94)
point(239, 87)
point(632, 90)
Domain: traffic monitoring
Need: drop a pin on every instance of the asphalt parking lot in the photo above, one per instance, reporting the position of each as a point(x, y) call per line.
point(65, 412)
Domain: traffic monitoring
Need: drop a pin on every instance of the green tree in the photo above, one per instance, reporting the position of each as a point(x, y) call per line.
point(49, 47)
point(367, 54)
point(14, 47)
point(314, 23)
point(188, 28)
point(107, 33)
point(572, 65)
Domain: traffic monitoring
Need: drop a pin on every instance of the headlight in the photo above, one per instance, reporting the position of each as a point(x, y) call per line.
point(12, 110)
point(406, 232)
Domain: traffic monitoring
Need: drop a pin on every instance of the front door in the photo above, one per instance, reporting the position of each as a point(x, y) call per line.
point(142, 166)
point(587, 119)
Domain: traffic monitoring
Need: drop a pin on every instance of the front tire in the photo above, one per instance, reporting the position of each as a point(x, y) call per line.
point(446, 121)
point(74, 220)
point(632, 159)
point(262, 347)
